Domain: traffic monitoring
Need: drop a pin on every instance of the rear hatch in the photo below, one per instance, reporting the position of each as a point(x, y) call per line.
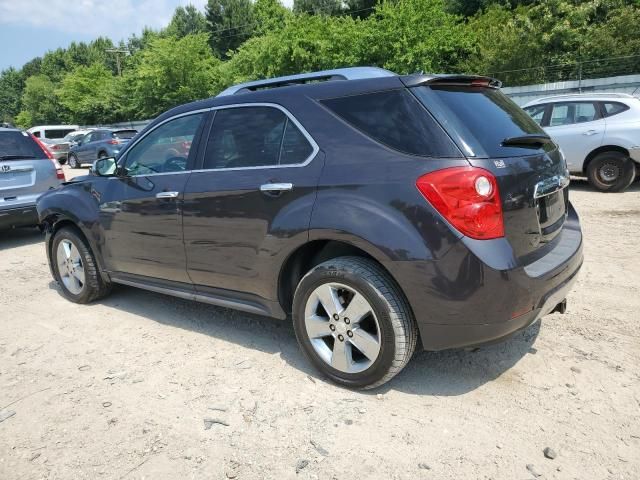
point(25, 169)
point(497, 135)
point(123, 136)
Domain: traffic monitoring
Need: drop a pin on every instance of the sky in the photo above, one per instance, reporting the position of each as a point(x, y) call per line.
point(29, 28)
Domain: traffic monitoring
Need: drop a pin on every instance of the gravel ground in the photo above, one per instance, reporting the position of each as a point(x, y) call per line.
point(146, 386)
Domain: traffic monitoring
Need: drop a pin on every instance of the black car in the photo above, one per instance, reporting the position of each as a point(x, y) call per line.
point(373, 209)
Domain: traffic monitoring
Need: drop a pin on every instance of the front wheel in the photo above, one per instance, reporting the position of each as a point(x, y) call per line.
point(353, 323)
point(73, 161)
point(611, 171)
point(75, 268)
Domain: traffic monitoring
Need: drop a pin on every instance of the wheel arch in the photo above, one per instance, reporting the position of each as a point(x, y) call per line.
point(313, 253)
point(602, 149)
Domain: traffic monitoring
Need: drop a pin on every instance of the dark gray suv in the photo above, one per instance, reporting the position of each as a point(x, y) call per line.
point(376, 211)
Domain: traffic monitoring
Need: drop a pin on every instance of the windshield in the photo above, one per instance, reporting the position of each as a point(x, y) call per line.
point(480, 119)
point(16, 144)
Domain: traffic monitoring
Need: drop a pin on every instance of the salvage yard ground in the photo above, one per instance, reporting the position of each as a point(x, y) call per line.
point(143, 385)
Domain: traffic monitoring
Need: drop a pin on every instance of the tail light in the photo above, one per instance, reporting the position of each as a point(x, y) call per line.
point(113, 142)
point(57, 166)
point(468, 198)
point(55, 147)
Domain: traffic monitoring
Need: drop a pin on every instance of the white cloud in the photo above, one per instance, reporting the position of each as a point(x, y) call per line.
point(116, 19)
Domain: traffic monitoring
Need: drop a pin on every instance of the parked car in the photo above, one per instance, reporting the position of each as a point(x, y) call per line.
point(599, 134)
point(52, 132)
point(371, 208)
point(100, 143)
point(27, 170)
point(59, 148)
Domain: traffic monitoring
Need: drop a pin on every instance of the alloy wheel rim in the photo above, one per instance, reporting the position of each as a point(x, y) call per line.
point(609, 172)
point(70, 266)
point(342, 327)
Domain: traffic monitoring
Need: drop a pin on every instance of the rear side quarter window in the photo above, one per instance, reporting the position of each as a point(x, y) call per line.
point(395, 119)
point(613, 108)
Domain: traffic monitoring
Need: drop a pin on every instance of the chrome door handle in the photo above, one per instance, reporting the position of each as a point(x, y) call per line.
point(590, 132)
point(276, 187)
point(167, 195)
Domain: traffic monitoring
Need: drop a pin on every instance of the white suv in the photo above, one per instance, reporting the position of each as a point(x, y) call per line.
point(599, 134)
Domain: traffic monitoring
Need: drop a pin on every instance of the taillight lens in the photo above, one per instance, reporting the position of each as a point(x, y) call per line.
point(468, 198)
point(113, 142)
point(42, 146)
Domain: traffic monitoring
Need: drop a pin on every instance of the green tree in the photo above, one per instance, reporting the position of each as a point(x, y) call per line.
point(361, 8)
point(88, 93)
point(318, 7)
point(40, 102)
point(269, 15)
point(11, 86)
point(185, 21)
point(230, 24)
point(170, 72)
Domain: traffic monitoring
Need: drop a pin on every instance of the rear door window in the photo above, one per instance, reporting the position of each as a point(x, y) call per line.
point(479, 118)
point(568, 113)
point(249, 137)
point(15, 145)
point(396, 119)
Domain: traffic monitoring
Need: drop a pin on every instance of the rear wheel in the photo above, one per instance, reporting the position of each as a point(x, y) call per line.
point(73, 161)
point(353, 323)
point(75, 268)
point(611, 171)
point(102, 155)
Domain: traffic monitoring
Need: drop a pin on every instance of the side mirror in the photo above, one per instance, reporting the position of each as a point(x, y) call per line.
point(104, 167)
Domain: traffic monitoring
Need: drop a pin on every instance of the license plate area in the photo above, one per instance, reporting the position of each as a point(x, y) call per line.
point(552, 211)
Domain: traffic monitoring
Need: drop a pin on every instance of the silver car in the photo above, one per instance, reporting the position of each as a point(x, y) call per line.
point(599, 134)
point(27, 170)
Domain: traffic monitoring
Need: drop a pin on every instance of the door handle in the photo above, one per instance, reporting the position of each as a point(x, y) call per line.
point(276, 188)
point(590, 132)
point(167, 195)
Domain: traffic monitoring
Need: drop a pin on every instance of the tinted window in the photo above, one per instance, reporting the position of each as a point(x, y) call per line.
point(57, 133)
point(396, 119)
point(536, 112)
point(253, 137)
point(613, 108)
point(18, 144)
point(124, 134)
point(165, 149)
point(572, 112)
point(478, 118)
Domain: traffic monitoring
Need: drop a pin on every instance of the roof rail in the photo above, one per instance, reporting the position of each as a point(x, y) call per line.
point(351, 73)
point(586, 94)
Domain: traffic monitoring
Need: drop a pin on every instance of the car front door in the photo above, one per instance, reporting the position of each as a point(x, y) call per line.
point(250, 203)
point(141, 210)
point(578, 128)
point(82, 151)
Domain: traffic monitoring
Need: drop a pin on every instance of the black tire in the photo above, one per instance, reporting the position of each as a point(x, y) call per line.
point(94, 287)
point(398, 331)
point(73, 161)
point(611, 171)
point(102, 155)
point(62, 161)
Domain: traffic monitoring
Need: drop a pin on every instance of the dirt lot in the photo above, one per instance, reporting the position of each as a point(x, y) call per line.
point(122, 388)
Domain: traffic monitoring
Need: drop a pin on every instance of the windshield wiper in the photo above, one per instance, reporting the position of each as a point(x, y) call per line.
point(16, 157)
point(530, 140)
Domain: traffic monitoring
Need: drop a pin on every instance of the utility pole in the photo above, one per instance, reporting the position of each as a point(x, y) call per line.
point(118, 51)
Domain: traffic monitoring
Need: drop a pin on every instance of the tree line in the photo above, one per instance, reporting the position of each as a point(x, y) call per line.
point(200, 53)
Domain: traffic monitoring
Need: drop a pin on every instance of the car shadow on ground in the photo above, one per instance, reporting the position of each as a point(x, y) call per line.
point(20, 237)
point(447, 373)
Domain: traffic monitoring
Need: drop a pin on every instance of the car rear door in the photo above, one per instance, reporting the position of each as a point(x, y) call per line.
point(141, 210)
point(578, 128)
point(250, 203)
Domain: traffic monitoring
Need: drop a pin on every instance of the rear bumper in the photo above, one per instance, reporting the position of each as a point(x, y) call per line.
point(18, 217)
point(459, 301)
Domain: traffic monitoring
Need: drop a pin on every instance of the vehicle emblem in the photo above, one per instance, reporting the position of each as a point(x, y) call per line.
point(5, 168)
point(499, 163)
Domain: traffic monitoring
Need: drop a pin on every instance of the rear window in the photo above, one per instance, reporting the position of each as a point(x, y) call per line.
point(396, 119)
point(15, 145)
point(478, 118)
point(124, 134)
point(58, 133)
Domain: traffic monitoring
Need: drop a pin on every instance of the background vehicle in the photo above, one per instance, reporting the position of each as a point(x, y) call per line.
point(27, 170)
point(52, 132)
point(59, 148)
point(372, 208)
point(99, 143)
point(598, 133)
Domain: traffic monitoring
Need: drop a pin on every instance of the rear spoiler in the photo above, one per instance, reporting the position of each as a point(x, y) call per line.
point(454, 80)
